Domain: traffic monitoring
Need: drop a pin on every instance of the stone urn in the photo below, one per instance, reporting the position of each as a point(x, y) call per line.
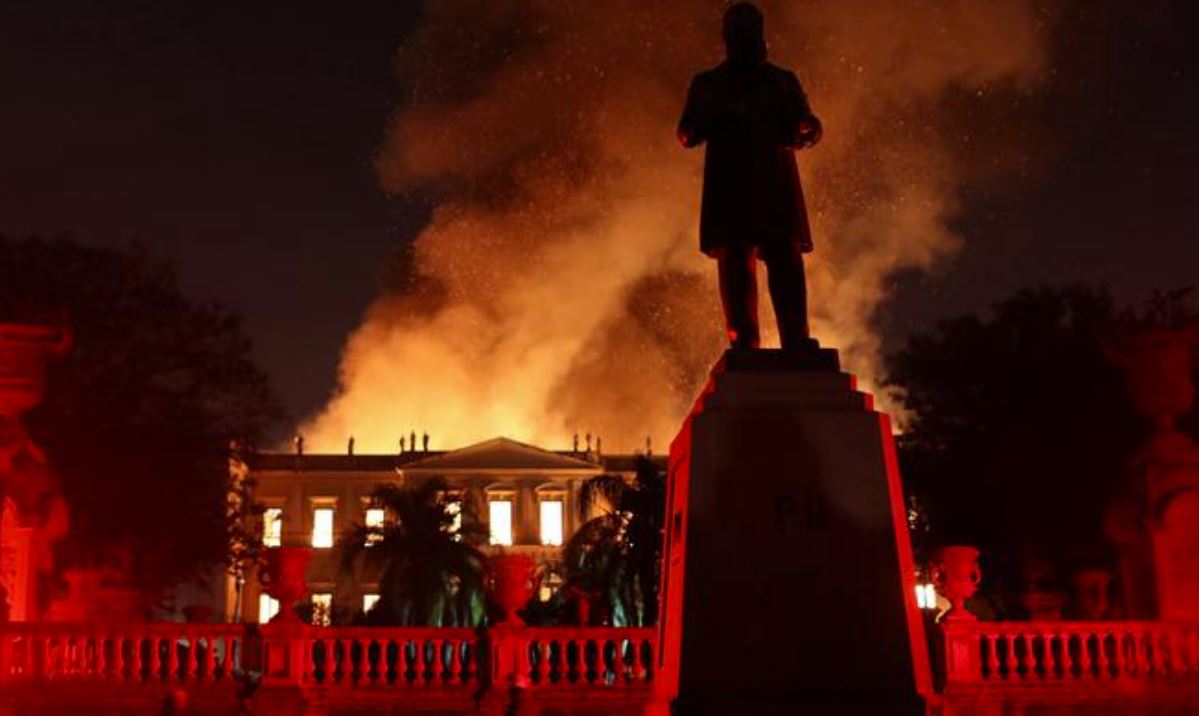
point(956, 575)
point(25, 351)
point(513, 582)
point(285, 578)
point(1157, 372)
point(1091, 589)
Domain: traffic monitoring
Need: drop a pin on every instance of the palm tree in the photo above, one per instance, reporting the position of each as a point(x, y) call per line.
point(617, 555)
point(430, 572)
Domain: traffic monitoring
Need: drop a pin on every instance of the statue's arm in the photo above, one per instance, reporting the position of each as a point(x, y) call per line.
point(693, 130)
point(804, 128)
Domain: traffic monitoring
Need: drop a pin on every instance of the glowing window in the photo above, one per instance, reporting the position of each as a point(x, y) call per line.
point(926, 596)
point(322, 606)
point(454, 509)
point(322, 527)
point(500, 521)
point(268, 607)
point(374, 522)
point(551, 522)
point(272, 527)
point(369, 601)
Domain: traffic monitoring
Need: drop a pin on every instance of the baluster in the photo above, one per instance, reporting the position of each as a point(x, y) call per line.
point(640, 672)
point(210, 658)
point(1159, 653)
point(103, 663)
point(1143, 663)
point(117, 666)
point(190, 660)
point(135, 656)
point(367, 666)
point(172, 658)
point(233, 647)
point(1100, 654)
point(45, 644)
point(453, 666)
point(580, 667)
point(405, 661)
point(1050, 639)
point(1084, 653)
point(1025, 660)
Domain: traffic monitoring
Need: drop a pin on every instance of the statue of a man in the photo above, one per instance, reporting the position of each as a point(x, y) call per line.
point(753, 115)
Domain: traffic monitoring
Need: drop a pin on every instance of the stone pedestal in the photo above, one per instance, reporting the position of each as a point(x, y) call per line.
point(16, 567)
point(788, 583)
point(1155, 524)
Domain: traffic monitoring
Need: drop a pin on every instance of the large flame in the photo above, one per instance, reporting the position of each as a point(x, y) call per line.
point(559, 287)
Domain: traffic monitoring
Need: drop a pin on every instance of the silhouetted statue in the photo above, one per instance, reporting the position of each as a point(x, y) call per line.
point(753, 115)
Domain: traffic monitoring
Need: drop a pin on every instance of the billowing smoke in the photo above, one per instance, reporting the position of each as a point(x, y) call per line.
point(558, 287)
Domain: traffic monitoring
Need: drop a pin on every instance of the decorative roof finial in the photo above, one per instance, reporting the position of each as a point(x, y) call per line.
point(403, 444)
point(649, 446)
point(425, 442)
point(299, 443)
point(588, 442)
point(350, 446)
point(599, 445)
point(574, 444)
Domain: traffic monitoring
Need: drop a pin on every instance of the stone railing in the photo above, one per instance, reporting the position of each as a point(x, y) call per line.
point(335, 658)
point(1030, 654)
point(131, 653)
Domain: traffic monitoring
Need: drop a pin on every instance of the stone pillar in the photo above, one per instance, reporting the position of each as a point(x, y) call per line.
point(34, 513)
point(1156, 523)
point(16, 566)
point(788, 579)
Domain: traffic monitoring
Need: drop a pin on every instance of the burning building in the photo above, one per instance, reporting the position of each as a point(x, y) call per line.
point(527, 498)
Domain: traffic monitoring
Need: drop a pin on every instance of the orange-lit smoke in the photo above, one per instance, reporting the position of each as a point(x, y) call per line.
point(559, 287)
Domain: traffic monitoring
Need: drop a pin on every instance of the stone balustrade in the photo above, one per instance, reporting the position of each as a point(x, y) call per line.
point(329, 658)
point(1027, 654)
point(126, 654)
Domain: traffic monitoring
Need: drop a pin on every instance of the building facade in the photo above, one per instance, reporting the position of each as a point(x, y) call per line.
point(526, 497)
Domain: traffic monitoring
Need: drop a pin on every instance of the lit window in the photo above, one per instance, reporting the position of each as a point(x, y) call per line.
point(272, 527)
point(322, 527)
point(369, 601)
point(322, 605)
point(500, 521)
point(550, 584)
point(926, 596)
point(454, 509)
point(551, 522)
point(374, 523)
point(268, 607)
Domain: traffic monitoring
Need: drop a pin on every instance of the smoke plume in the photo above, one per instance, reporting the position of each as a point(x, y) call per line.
point(558, 287)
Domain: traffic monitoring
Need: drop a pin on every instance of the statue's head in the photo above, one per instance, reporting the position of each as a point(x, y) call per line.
point(744, 33)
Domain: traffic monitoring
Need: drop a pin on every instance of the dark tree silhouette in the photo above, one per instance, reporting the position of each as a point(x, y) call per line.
point(429, 573)
point(617, 555)
point(1020, 426)
point(140, 413)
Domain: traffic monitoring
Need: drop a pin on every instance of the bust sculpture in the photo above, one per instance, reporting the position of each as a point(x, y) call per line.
point(753, 115)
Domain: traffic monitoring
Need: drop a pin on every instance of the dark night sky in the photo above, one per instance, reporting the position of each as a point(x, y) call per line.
point(236, 140)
